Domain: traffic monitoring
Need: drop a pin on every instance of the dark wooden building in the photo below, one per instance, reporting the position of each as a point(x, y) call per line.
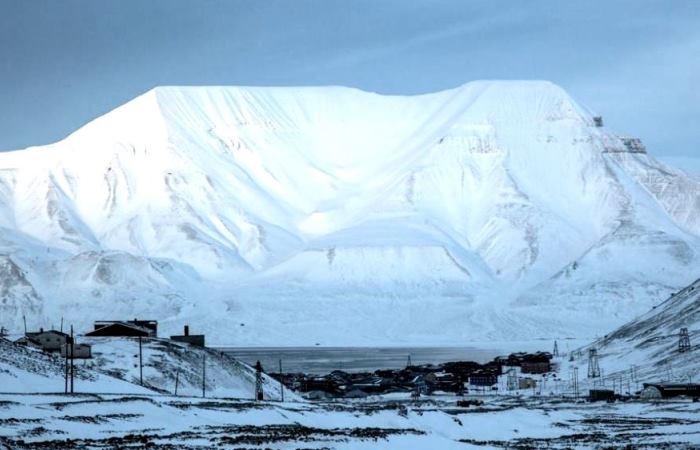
point(130, 328)
point(601, 395)
point(535, 367)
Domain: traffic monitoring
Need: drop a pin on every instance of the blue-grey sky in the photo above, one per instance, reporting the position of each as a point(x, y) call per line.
point(63, 63)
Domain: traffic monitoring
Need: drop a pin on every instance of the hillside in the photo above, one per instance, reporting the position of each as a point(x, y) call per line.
point(114, 369)
point(295, 216)
point(648, 345)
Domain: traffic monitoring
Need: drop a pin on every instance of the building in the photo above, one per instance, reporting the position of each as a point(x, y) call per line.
point(598, 121)
point(81, 351)
point(633, 145)
point(50, 341)
point(130, 328)
point(192, 339)
point(535, 367)
point(601, 395)
point(527, 383)
point(668, 390)
point(483, 379)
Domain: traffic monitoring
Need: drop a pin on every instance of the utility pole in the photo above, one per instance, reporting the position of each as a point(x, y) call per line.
point(555, 352)
point(141, 360)
point(684, 341)
point(281, 383)
point(177, 379)
point(61, 324)
point(24, 318)
point(576, 382)
point(66, 364)
point(72, 370)
point(204, 374)
point(258, 381)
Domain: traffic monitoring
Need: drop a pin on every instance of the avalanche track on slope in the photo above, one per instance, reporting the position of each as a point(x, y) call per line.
point(270, 216)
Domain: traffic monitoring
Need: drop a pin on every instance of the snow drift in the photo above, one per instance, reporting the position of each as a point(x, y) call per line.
point(496, 210)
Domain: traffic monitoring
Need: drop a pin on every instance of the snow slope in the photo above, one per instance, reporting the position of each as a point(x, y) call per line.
point(646, 348)
point(114, 369)
point(291, 216)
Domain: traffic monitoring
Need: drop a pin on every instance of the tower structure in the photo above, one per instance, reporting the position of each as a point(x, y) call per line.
point(408, 362)
point(684, 340)
point(258, 381)
point(593, 367)
point(555, 352)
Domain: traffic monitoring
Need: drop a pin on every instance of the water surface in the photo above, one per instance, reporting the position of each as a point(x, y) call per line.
point(321, 360)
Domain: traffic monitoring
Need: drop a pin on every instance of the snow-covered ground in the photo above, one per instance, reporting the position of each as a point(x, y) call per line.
point(164, 422)
point(34, 415)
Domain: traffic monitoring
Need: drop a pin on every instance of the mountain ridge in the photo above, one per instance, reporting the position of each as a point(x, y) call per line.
point(505, 196)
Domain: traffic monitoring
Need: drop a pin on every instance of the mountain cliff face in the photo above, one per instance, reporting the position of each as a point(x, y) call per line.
point(496, 210)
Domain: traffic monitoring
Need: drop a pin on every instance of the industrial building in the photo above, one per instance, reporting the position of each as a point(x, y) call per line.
point(192, 339)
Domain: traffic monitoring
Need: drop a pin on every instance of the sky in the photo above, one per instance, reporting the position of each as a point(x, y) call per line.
point(64, 63)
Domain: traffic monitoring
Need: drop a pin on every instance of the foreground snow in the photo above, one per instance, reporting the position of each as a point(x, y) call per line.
point(104, 421)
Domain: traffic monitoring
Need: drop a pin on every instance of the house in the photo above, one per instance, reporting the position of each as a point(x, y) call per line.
point(81, 351)
point(598, 121)
point(130, 328)
point(50, 341)
point(443, 381)
point(192, 339)
point(420, 385)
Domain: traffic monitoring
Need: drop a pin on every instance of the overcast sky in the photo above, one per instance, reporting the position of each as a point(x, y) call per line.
point(63, 63)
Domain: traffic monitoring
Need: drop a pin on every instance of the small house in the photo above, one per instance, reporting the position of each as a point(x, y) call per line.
point(81, 351)
point(50, 341)
point(192, 339)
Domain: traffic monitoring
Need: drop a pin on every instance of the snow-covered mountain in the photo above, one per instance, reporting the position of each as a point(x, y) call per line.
point(496, 210)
